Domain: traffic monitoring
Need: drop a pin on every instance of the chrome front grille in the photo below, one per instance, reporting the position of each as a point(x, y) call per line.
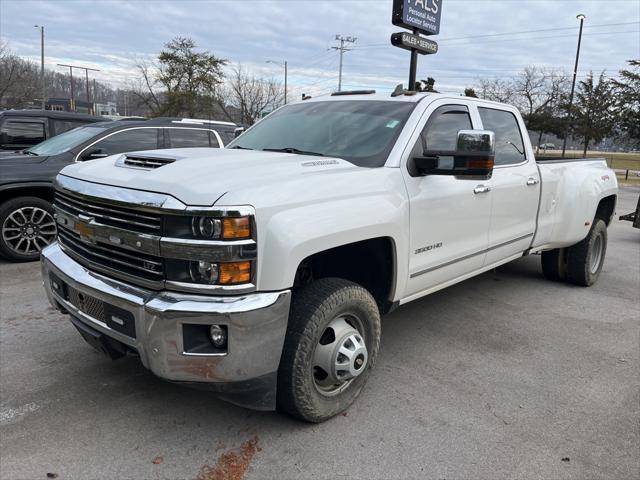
point(147, 269)
point(114, 239)
point(107, 214)
point(144, 238)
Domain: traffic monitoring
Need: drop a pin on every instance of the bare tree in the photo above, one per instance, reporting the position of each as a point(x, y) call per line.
point(18, 79)
point(530, 88)
point(252, 96)
point(497, 90)
point(537, 89)
point(539, 95)
point(145, 88)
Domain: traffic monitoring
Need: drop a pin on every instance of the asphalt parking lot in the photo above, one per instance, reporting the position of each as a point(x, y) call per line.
point(506, 375)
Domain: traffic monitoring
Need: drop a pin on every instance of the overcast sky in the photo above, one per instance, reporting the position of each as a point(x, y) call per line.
point(110, 34)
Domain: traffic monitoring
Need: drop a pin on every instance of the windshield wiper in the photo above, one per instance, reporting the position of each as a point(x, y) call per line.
point(241, 148)
point(29, 152)
point(293, 150)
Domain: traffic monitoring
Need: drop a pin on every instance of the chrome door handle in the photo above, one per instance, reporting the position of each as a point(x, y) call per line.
point(481, 189)
point(532, 181)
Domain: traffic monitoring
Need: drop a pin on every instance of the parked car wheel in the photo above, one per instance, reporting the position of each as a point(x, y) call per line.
point(26, 227)
point(585, 259)
point(554, 264)
point(331, 344)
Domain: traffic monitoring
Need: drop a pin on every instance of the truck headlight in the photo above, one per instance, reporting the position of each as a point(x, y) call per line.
point(203, 272)
point(206, 227)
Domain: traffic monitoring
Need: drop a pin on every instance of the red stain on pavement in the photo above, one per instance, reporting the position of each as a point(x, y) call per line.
point(231, 465)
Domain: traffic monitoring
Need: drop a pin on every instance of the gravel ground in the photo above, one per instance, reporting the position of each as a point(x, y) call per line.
point(505, 375)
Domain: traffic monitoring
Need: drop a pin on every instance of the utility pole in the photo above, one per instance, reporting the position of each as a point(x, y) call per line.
point(342, 49)
point(44, 88)
point(580, 17)
point(86, 71)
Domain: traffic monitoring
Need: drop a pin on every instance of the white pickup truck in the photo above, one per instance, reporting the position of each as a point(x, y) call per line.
point(261, 270)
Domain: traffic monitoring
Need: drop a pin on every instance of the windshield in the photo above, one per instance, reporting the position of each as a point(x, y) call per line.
point(361, 132)
point(65, 141)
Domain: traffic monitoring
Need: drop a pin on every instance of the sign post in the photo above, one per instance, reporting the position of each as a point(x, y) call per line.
point(421, 17)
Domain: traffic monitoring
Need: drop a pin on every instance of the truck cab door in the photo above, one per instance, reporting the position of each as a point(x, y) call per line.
point(449, 216)
point(515, 186)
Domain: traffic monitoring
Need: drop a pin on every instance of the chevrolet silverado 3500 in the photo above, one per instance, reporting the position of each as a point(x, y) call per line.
point(261, 270)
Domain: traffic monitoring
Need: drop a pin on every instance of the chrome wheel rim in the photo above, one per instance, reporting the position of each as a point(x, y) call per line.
point(27, 230)
point(340, 356)
point(595, 258)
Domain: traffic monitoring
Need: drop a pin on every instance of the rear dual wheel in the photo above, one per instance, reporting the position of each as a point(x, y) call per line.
point(581, 263)
point(331, 344)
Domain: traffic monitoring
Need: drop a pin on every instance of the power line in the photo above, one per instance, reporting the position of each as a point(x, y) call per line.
point(317, 59)
point(370, 45)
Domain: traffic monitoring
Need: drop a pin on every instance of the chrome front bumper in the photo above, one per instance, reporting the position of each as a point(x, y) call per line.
point(246, 374)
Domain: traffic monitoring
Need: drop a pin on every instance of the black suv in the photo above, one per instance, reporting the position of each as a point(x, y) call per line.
point(21, 129)
point(26, 179)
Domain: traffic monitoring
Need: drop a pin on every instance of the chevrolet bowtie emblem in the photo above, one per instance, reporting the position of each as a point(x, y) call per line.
point(84, 229)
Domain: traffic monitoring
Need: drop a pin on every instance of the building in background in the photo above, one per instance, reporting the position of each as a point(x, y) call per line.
point(107, 109)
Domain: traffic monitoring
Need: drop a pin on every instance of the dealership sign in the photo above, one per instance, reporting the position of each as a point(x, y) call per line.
point(408, 41)
point(421, 15)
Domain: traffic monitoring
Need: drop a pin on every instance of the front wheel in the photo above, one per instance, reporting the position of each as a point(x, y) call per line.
point(26, 227)
point(331, 344)
point(585, 259)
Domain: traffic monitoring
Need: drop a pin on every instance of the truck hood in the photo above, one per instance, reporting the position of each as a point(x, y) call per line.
point(201, 176)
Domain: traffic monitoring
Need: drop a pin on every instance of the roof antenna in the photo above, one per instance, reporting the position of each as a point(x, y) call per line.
point(398, 91)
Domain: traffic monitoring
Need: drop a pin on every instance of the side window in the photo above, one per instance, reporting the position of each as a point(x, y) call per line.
point(441, 131)
point(129, 141)
point(226, 134)
point(509, 144)
point(61, 126)
point(17, 134)
point(188, 137)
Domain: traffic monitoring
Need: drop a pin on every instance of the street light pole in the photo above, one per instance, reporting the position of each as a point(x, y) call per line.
point(580, 17)
point(44, 88)
point(282, 64)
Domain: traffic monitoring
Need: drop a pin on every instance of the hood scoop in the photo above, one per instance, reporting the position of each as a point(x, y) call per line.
point(143, 162)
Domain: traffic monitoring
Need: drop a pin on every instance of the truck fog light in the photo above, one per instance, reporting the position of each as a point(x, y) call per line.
point(218, 334)
point(206, 227)
point(203, 272)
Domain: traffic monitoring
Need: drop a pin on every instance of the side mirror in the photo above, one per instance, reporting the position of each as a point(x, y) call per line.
point(95, 153)
point(237, 132)
point(473, 157)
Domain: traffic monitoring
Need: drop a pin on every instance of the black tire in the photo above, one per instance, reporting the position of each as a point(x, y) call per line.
point(313, 308)
point(583, 263)
point(554, 264)
point(9, 228)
